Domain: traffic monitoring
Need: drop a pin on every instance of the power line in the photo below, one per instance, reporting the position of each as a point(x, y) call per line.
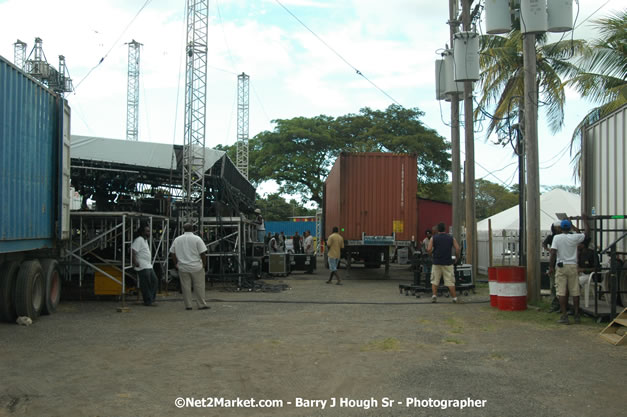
point(112, 46)
point(228, 48)
point(593, 13)
point(338, 54)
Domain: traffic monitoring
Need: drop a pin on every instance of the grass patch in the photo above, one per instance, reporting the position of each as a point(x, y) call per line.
point(497, 357)
point(456, 325)
point(389, 344)
point(454, 341)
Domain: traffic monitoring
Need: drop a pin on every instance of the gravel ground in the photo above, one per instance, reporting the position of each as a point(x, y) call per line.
point(361, 344)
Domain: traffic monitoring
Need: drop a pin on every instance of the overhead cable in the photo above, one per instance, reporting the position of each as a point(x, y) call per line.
point(112, 46)
point(338, 54)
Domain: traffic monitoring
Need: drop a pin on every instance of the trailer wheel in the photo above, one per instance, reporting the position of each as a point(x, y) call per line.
point(29, 289)
point(52, 285)
point(8, 274)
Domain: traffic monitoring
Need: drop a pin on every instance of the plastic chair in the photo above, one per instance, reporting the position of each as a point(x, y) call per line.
point(586, 286)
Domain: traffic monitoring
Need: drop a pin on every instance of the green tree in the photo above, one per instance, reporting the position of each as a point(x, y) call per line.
point(569, 188)
point(299, 152)
point(502, 79)
point(491, 198)
point(602, 73)
point(275, 208)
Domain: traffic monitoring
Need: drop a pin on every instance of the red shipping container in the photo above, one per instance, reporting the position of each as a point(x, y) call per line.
point(432, 212)
point(372, 193)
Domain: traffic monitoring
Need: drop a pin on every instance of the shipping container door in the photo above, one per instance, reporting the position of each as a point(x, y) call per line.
point(65, 169)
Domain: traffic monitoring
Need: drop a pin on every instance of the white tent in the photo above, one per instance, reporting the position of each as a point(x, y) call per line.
point(555, 201)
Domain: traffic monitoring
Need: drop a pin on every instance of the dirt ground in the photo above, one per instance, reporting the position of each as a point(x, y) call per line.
point(363, 345)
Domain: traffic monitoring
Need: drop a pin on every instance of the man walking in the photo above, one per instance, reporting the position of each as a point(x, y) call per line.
point(564, 255)
point(441, 246)
point(335, 244)
point(189, 253)
point(142, 263)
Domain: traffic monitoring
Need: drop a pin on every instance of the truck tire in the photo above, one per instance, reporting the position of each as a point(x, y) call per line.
point(8, 275)
point(52, 285)
point(29, 289)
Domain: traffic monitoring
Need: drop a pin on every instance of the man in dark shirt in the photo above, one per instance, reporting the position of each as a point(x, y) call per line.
point(441, 246)
point(546, 244)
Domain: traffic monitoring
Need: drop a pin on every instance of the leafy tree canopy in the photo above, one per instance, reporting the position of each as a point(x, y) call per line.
point(491, 198)
point(275, 208)
point(299, 152)
point(570, 188)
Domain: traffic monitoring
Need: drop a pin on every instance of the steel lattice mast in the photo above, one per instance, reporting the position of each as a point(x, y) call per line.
point(243, 81)
point(132, 92)
point(195, 114)
point(19, 54)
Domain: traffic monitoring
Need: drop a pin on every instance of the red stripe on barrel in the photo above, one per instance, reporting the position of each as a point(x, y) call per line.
point(511, 288)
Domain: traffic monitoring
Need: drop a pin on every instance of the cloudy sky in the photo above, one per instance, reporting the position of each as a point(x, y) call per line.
point(292, 73)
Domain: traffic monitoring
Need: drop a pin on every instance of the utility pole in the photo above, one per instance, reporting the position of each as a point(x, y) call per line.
point(243, 81)
point(533, 168)
point(455, 148)
point(469, 172)
point(522, 207)
point(195, 111)
point(132, 92)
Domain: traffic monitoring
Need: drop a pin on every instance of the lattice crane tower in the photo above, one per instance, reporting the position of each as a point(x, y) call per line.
point(243, 82)
point(19, 54)
point(132, 91)
point(195, 114)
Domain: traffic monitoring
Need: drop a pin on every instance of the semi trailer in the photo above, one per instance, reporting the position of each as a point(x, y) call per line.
point(34, 193)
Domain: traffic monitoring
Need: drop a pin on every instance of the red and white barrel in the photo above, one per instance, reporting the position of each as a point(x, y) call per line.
point(511, 288)
point(494, 297)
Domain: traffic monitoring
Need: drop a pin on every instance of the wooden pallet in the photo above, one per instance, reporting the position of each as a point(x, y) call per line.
point(616, 331)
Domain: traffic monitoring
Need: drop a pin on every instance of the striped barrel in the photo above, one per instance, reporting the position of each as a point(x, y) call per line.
point(511, 288)
point(493, 286)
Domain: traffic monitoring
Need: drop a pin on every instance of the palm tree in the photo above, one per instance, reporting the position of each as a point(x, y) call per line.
point(602, 73)
point(502, 79)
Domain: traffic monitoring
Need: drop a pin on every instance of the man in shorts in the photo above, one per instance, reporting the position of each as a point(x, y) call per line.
point(335, 244)
point(441, 247)
point(564, 255)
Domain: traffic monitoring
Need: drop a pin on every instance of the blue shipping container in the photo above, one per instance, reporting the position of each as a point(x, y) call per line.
point(289, 228)
point(31, 143)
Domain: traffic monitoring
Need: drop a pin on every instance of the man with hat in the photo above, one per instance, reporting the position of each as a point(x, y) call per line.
point(564, 255)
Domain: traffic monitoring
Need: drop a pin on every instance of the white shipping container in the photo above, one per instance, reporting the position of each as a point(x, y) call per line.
point(604, 173)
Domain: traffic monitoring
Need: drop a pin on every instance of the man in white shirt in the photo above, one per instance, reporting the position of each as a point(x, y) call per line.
point(142, 263)
point(564, 255)
point(308, 246)
point(189, 253)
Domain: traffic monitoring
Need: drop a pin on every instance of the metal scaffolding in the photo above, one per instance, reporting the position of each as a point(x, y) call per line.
point(195, 111)
point(101, 245)
point(226, 239)
point(243, 81)
point(132, 91)
point(38, 67)
point(19, 54)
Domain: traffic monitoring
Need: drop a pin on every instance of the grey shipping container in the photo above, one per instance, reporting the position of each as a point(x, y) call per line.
point(604, 173)
point(34, 192)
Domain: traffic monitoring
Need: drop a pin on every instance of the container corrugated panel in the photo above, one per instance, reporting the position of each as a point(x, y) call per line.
point(605, 172)
point(430, 213)
point(289, 228)
point(28, 161)
point(376, 195)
